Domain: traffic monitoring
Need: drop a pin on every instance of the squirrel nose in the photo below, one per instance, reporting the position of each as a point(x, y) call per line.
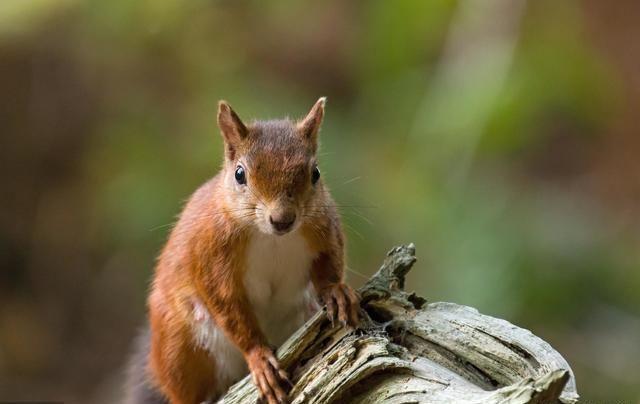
point(282, 222)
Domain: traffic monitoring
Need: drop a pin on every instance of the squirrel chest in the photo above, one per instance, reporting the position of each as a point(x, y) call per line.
point(276, 280)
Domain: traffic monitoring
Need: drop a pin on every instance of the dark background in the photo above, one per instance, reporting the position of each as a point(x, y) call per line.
point(500, 136)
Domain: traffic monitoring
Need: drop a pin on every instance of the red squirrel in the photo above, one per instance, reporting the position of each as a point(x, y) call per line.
point(252, 250)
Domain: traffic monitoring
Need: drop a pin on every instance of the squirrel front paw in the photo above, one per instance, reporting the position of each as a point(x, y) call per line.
point(267, 375)
point(342, 303)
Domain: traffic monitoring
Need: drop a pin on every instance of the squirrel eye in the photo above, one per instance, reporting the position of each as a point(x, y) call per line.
point(315, 175)
point(241, 178)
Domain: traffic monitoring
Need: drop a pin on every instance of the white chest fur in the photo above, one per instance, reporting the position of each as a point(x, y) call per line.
point(276, 280)
point(277, 285)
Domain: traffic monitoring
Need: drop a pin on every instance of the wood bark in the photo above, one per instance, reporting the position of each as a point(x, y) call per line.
point(408, 351)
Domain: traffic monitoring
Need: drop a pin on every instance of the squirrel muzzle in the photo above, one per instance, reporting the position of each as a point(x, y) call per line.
point(282, 219)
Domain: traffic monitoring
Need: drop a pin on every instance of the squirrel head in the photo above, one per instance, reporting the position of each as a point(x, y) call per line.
point(270, 170)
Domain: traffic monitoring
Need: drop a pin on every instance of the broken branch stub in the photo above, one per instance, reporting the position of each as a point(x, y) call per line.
point(408, 351)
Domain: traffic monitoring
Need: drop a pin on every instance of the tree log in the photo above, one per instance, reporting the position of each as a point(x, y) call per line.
point(408, 351)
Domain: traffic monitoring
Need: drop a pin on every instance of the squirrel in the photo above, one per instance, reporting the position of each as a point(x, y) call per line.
point(253, 250)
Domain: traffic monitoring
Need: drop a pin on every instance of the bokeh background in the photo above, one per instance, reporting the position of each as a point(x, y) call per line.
point(500, 136)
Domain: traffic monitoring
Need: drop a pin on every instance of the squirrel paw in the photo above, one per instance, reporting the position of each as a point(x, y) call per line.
point(342, 303)
point(267, 375)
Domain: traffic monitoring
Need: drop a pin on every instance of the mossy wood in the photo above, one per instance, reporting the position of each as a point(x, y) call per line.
point(408, 351)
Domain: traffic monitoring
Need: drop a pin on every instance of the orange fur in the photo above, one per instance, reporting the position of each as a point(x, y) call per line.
point(204, 259)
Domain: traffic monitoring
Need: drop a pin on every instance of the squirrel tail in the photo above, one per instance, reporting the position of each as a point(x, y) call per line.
point(139, 389)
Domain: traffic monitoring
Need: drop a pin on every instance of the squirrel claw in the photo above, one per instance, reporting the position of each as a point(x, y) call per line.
point(343, 304)
point(267, 375)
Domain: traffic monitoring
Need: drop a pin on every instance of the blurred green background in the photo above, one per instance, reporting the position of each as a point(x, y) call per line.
point(500, 136)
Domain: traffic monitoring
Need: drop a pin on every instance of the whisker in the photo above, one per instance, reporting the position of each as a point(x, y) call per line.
point(361, 216)
point(366, 278)
point(321, 213)
point(352, 180)
point(344, 206)
point(207, 215)
point(162, 226)
point(356, 232)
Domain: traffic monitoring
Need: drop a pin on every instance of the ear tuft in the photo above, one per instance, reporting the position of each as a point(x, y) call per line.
point(231, 126)
point(310, 125)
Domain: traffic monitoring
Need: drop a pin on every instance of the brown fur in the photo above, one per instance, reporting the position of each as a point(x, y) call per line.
point(204, 257)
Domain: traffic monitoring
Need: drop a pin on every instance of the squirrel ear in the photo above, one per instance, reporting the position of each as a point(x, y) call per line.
point(232, 128)
point(310, 125)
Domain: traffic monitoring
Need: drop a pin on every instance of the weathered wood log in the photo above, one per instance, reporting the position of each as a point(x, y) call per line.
point(408, 351)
